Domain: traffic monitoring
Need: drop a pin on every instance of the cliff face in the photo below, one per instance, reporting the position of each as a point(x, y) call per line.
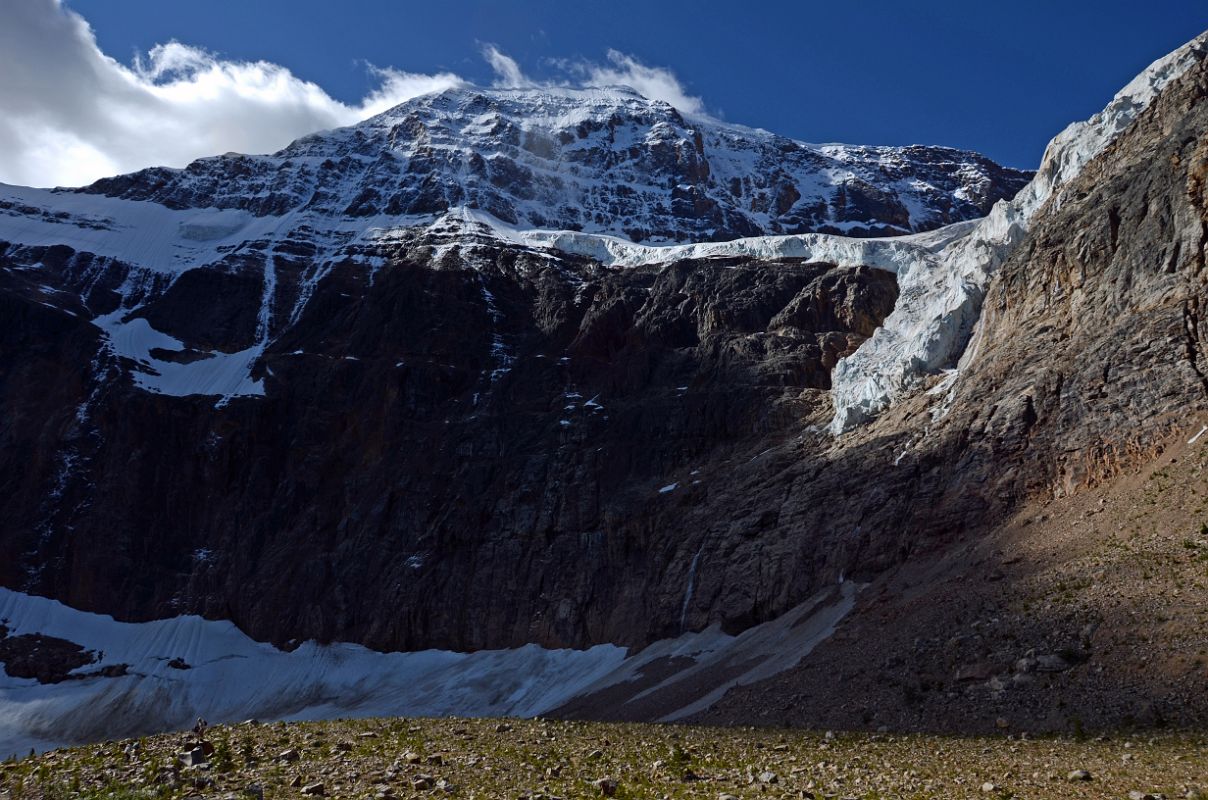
point(441, 436)
point(1089, 344)
point(461, 457)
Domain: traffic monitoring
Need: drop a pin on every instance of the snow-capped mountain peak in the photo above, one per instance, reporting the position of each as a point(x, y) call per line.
point(596, 160)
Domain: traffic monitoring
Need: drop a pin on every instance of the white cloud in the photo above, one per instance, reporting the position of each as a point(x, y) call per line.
point(507, 71)
point(70, 114)
point(655, 83)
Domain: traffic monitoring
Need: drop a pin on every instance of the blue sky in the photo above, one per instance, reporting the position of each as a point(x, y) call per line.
point(90, 88)
point(1000, 77)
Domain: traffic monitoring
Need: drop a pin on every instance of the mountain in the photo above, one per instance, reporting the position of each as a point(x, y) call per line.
point(231, 391)
point(456, 368)
point(595, 160)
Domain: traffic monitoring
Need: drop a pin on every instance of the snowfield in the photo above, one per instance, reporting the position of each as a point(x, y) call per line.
point(232, 677)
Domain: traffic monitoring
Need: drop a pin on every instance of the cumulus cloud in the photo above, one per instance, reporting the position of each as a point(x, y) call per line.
point(70, 114)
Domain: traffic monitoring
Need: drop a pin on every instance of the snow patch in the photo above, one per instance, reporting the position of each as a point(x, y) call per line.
point(233, 677)
point(212, 373)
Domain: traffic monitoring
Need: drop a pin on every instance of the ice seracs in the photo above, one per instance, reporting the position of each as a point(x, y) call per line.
point(942, 291)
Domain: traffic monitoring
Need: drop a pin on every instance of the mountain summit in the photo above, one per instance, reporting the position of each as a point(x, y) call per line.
point(603, 160)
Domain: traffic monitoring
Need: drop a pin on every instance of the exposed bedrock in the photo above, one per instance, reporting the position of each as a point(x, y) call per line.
point(455, 457)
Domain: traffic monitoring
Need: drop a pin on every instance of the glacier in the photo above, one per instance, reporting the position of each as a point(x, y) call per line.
point(941, 292)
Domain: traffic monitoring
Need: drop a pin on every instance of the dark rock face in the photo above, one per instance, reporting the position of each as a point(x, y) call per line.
point(602, 161)
point(227, 318)
point(478, 447)
point(43, 658)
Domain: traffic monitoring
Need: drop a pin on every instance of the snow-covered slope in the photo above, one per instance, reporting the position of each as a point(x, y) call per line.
point(595, 160)
point(601, 173)
point(942, 290)
point(152, 245)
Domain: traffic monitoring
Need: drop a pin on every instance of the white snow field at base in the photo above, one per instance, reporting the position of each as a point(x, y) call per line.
point(232, 677)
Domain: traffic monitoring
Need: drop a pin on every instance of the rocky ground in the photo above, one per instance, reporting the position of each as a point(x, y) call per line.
point(1081, 612)
point(543, 760)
